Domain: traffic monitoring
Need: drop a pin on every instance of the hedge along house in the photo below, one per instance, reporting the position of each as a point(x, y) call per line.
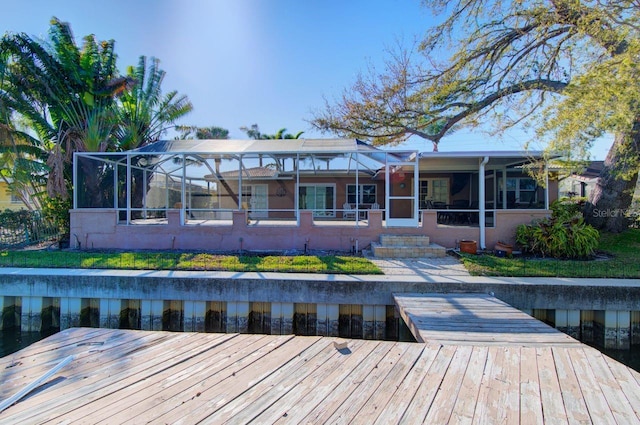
point(297, 194)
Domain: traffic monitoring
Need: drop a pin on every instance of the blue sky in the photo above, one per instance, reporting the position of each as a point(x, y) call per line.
point(268, 62)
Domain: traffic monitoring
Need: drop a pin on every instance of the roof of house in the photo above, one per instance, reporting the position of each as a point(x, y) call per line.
point(592, 170)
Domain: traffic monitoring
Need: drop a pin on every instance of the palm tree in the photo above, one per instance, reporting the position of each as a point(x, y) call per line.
point(144, 114)
point(65, 93)
point(21, 168)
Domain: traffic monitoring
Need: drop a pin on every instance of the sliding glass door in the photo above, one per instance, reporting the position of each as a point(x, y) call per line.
point(318, 197)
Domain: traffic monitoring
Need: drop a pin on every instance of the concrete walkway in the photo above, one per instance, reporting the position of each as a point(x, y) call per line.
point(419, 267)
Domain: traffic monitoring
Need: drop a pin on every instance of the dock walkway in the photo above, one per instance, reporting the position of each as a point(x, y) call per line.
point(474, 319)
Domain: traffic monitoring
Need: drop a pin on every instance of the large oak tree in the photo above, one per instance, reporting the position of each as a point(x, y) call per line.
point(566, 68)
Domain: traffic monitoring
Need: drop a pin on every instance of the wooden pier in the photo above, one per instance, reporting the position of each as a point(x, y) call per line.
point(125, 376)
point(474, 319)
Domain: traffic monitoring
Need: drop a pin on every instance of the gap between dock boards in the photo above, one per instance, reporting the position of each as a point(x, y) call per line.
point(474, 319)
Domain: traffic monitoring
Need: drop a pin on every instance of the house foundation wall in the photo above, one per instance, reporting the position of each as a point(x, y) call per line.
point(98, 229)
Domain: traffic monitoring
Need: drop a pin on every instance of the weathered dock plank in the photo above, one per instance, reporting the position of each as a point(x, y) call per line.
point(530, 401)
point(162, 377)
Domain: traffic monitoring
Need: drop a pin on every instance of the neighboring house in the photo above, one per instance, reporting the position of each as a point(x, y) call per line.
point(581, 183)
point(9, 200)
point(322, 194)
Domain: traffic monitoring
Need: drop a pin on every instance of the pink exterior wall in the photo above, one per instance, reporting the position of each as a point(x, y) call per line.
point(506, 222)
point(97, 228)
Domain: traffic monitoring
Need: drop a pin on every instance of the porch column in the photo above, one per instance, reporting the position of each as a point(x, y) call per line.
point(546, 185)
point(481, 200)
point(128, 188)
point(296, 195)
point(183, 191)
point(504, 188)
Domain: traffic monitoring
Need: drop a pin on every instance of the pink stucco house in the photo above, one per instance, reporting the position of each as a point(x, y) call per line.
point(300, 194)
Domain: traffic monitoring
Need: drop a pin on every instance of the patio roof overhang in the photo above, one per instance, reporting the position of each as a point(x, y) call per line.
point(465, 161)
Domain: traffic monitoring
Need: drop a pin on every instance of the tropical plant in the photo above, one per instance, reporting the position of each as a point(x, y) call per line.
point(65, 95)
point(145, 113)
point(73, 99)
point(563, 235)
point(21, 165)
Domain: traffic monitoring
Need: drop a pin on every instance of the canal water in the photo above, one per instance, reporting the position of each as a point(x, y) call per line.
point(12, 340)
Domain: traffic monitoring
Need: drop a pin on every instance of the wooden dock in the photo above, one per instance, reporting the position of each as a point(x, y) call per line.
point(474, 319)
point(123, 376)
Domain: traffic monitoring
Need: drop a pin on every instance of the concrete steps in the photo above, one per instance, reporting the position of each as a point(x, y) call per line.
point(406, 246)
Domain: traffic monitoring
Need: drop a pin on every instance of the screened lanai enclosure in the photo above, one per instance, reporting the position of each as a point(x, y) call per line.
point(295, 193)
point(273, 180)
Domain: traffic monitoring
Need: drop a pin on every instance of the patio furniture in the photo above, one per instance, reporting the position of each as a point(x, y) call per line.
point(348, 212)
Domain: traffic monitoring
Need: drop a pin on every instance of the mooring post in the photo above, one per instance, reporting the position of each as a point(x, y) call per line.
point(110, 313)
point(31, 318)
point(151, 312)
point(70, 309)
point(282, 318)
point(568, 321)
point(612, 329)
point(327, 317)
point(237, 316)
point(194, 316)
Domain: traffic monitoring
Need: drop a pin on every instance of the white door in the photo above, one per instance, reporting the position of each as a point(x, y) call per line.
point(401, 194)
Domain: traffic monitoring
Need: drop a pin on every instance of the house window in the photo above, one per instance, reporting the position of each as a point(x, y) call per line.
point(15, 199)
point(520, 190)
point(366, 194)
point(433, 190)
point(319, 198)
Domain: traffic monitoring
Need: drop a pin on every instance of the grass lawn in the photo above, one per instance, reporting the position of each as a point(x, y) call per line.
point(187, 261)
point(620, 258)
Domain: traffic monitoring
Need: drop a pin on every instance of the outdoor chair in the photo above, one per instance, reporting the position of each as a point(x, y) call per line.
point(348, 212)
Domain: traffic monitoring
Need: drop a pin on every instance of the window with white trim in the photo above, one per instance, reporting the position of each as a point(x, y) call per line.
point(433, 190)
point(520, 190)
point(365, 195)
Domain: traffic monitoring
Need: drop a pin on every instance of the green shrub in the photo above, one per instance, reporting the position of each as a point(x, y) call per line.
point(563, 235)
point(57, 210)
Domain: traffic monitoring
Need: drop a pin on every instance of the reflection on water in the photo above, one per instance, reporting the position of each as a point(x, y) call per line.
point(629, 357)
point(13, 340)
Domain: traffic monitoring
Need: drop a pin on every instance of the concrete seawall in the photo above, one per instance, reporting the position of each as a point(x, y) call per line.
point(605, 311)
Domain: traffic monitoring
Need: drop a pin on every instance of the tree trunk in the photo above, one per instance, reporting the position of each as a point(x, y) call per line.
point(609, 203)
